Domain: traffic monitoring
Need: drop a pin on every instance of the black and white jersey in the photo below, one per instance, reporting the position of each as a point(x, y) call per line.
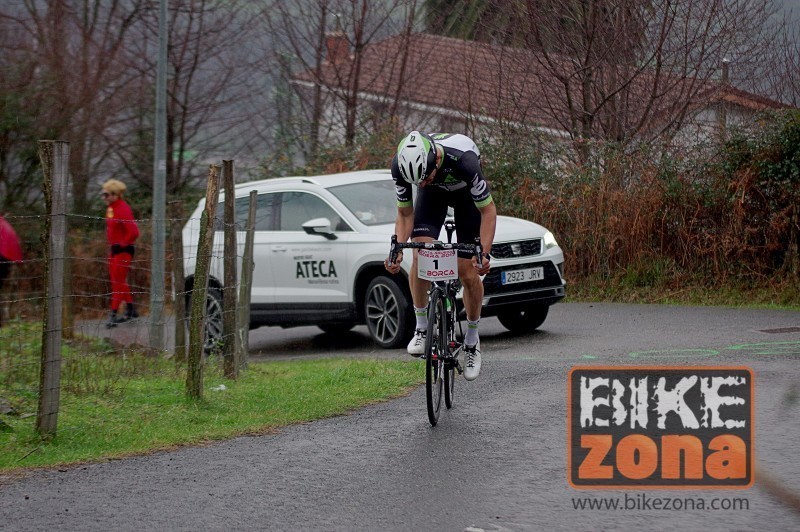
point(460, 167)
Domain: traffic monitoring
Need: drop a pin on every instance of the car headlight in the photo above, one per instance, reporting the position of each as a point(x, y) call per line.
point(549, 240)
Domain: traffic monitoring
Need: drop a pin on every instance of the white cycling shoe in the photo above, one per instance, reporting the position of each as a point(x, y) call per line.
point(416, 347)
point(472, 361)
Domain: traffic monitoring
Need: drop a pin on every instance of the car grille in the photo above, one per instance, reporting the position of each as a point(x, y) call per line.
point(522, 248)
point(491, 283)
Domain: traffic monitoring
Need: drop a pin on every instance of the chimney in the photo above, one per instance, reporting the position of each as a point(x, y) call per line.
point(337, 47)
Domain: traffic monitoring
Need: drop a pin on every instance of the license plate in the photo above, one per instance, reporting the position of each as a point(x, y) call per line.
point(522, 276)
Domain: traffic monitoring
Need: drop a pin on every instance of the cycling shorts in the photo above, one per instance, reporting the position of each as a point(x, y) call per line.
point(430, 210)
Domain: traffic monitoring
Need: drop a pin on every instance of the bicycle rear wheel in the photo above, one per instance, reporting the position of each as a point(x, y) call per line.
point(435, 349)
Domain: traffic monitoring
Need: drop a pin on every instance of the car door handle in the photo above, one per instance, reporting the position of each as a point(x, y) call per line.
point(278, 249)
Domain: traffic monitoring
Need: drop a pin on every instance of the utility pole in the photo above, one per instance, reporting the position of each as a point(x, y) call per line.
point(158, 258)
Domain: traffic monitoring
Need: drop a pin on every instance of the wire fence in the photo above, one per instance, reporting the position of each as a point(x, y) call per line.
point(88, 292)
point(93, 354)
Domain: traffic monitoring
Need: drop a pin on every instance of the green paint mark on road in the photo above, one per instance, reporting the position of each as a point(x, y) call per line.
point(675, 353)
point(756, 349)
point(768, 348)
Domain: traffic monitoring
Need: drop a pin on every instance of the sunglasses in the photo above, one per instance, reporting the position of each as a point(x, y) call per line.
point(106, 194)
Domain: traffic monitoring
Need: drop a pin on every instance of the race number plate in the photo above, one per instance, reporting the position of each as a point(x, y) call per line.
point(437, 265)
point(522, 276)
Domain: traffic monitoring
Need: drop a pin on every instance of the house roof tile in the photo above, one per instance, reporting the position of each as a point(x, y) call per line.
point(500, 82)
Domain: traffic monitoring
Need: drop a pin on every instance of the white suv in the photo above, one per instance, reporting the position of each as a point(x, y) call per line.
point(320, 243)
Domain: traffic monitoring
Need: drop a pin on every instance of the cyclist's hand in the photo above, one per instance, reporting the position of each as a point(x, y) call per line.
point(394, 267)
point(482, 268)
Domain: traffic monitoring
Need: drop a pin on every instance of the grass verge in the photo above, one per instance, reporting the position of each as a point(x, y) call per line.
point(145, 409)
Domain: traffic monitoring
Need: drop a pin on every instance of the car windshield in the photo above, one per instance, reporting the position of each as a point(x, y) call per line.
point(372, 202)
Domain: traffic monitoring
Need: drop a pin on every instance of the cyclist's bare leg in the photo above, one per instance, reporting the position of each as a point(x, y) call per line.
point(473, 289)
point(473, 297)
point(419, 287)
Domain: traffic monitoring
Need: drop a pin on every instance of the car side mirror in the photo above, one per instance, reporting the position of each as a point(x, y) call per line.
point(321, 227)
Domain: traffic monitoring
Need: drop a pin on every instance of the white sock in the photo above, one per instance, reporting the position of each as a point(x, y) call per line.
point(471, 338)
point(422, 318)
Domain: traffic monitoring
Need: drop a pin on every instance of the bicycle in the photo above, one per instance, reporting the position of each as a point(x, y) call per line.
point(442, 347)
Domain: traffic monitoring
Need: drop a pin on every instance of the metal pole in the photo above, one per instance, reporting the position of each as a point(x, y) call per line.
point(158, 257)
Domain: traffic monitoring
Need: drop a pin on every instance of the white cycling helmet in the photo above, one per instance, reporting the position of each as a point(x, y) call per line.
point(416, 157)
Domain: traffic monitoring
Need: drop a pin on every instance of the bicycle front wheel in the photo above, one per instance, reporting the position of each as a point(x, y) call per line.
point(435, 350)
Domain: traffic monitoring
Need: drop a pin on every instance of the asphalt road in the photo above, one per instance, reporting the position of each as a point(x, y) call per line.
point(496, 461)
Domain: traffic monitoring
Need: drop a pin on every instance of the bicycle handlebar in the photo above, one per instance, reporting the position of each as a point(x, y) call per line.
point(396, 246)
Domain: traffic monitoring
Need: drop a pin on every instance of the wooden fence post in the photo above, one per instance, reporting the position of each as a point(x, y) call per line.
point(229, 336)
point(54, 156)
point(194, 373)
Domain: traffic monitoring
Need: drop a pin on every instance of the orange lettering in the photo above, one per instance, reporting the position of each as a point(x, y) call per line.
point(592, 466)
point(729, 459)
point(628, 465)
point(671, 448)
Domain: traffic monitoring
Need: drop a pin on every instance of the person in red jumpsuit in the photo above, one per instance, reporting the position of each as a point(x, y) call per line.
point(10, 252)
point(122, 232)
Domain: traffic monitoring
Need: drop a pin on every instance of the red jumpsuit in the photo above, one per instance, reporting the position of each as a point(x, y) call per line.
point(121, 229)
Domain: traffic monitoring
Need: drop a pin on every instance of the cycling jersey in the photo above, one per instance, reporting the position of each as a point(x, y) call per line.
point(460, 167)
point(458, 183)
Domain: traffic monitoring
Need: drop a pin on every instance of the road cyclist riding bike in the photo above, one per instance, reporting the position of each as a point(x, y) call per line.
point(446, 169)
point(438, 263)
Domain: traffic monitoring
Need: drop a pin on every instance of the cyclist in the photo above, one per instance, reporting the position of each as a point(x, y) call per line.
point(446, 169)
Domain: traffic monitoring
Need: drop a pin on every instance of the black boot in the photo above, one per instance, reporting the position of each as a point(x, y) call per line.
point(130, 311)
point(113, 320)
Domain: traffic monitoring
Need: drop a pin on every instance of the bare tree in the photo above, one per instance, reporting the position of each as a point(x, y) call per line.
point(325, 40)
point(19, 127)
point(213, 46)
point(781, 73)
point(72, 51)
point(491, 21)
point(625, 70)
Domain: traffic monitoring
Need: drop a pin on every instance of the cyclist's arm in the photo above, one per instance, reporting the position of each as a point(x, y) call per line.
point(404, 223)
point(482, 196)
point(488, 224)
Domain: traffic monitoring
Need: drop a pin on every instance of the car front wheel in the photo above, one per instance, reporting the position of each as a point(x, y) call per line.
point(388, 312)
point(213, 322)
point(523, 319)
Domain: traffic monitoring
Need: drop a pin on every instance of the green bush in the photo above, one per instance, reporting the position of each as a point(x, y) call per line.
point(654, 216)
